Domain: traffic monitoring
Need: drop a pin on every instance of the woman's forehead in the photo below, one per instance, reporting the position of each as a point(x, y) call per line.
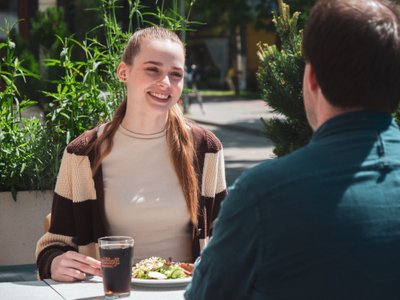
point(162, 50)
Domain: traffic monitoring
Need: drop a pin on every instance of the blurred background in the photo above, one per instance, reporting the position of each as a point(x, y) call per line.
point(221, 43)
point(58, 60)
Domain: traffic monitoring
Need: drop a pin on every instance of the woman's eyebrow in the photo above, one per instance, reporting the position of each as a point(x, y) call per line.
point(153, 62)
point(157, 63)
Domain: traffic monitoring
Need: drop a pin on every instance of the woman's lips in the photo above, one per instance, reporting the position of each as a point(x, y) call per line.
point(159, 96)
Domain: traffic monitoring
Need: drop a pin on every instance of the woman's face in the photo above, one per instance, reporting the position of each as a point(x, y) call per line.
point(154, 80)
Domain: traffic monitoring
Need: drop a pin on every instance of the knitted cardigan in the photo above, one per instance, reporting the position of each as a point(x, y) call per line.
point(78, 214)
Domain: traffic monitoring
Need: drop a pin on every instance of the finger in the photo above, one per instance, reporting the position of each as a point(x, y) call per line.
point(83, 267)
point(83, 259)
point(64, 275)
point(83, 263)
point(63, 278)
point(93, 262)
point(73, 274)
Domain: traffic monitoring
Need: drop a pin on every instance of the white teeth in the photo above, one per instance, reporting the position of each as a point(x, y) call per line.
point(161, 96)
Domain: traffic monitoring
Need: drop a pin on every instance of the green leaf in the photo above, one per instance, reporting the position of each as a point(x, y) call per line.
point(14, 193)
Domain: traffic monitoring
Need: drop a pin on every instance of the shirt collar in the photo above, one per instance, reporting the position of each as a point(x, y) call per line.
point(351, 121)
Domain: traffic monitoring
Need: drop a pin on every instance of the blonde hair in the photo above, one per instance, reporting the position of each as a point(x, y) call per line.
point(178, 136)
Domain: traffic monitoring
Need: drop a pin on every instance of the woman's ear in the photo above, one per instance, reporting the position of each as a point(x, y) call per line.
point(122, 72)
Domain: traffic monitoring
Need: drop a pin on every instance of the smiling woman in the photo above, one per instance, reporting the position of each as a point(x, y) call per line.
point(154, 82)
point(149, 173)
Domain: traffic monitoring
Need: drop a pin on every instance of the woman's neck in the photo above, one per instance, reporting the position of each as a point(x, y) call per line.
point(144, 123)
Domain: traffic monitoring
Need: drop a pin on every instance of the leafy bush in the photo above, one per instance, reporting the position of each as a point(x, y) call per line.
point(85, 93)
point(25, 149)
point(46, 26)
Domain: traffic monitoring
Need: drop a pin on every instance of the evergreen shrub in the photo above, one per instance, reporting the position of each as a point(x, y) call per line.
point(280, 77)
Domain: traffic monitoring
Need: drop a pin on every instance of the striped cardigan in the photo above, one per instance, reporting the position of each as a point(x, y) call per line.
point(78, 215)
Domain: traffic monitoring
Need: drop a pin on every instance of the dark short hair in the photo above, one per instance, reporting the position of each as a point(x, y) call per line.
point(354, 48)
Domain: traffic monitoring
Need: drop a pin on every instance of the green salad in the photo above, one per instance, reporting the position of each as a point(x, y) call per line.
point(158, 268)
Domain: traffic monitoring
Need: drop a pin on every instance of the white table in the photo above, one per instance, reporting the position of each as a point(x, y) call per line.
point(89, 289)
point(93, 289)
point(27, 290)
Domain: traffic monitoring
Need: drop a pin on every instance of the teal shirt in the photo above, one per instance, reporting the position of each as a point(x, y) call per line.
point(320, 223)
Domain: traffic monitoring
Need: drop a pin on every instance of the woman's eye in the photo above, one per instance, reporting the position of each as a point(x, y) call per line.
point(152, 70)
point(177, 75)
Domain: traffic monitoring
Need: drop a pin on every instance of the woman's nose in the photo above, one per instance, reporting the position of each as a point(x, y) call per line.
point(165, 81)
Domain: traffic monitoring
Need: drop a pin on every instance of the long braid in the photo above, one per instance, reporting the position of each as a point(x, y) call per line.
point(182, 155)
point(107, 136)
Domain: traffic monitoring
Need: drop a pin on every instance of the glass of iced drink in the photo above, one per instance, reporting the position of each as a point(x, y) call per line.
point(116, 253)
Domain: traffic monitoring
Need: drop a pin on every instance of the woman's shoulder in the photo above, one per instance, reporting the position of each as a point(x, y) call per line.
point(204, 140)
point(82, 144)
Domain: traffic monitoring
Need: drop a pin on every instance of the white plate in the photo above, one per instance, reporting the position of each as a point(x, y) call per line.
point(162, 282)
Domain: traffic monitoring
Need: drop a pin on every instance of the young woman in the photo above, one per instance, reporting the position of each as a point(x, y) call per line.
point(149, 173)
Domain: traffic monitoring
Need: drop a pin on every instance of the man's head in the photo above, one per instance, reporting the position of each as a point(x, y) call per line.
point(353, 47)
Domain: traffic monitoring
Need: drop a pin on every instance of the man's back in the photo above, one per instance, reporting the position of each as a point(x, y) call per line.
point(320, 223)
point(331, 214)
point(324, 221)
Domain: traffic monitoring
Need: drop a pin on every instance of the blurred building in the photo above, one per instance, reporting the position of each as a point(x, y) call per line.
point(215, 52)
point(17, 13)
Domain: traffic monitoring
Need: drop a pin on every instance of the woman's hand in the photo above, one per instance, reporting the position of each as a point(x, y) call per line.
point(73, 266)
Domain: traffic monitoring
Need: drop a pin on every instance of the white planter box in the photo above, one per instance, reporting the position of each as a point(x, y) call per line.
point(21, 225)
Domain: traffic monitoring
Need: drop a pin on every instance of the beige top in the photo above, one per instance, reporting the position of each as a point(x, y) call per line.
point(143, 197)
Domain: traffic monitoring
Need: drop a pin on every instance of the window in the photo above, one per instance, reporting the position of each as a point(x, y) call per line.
point(9, 14)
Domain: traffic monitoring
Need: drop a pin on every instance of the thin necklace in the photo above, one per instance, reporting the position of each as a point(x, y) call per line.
point(139, 133)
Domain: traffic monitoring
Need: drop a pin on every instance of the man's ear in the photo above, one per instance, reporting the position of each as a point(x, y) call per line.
point(311, 79)
point(122, 72)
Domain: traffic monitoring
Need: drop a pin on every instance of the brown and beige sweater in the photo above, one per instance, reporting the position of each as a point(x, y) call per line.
point(78, 216)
